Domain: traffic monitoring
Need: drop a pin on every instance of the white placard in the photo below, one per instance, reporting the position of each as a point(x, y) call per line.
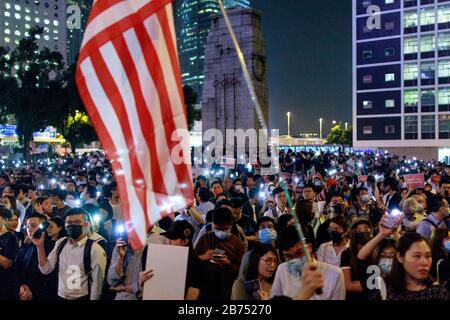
point(169, 265)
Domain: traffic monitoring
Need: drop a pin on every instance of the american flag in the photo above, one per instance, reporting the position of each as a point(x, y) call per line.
point(128, 76)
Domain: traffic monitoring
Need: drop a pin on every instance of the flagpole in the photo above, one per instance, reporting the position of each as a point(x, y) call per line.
point(263, 124)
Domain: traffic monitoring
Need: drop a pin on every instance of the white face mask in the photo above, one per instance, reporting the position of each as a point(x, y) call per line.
point(238, 188)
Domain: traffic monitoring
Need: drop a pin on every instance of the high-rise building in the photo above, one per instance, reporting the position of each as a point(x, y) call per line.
point(401, 76)
point(19, 16)
point(192, 22)
point(75, 35)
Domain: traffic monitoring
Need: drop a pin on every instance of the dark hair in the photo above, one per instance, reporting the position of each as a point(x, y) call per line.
point(60, 224)
point(216, 182)
point(224, 202)
point(359, 189)
point(39, 216)
point(392, 183)
point(288, 238)
point(304, 212)
point(283, 221)
point(437, 237)
point(12, 200)
point(113, 186)
point(5, 213)
point(341, 221)
point(277, 191)
point(105, 205)
point(237, 180)
point(41, 200)
point(385, 243)
point(79, 211)
point(91, 191)
point(396, 278)
point(253, 193)
point(265, 219)
point(309, 185)
point(22, 187)
point(60, 193)
point(434, 203)
point(258, 251)
point(204, 194)
point(91, 208)
point(222, 216)
point(236, 203)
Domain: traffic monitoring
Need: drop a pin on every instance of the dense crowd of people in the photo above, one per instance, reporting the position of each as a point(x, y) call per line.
point(370, 232)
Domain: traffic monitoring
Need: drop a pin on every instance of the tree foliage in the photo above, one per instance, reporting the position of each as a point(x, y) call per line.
point(39, 90)
point(192, 114)
point(338, 135)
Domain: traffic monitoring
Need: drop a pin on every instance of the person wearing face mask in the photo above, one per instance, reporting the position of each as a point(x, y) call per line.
point(223, 252)
point(360, 234)
point(410, 274)
point(75, 252)
point(330, 252)
point(380, 251)
point(267, 235)
point(335, 208)
point(440, 248)
point(413, 214)
point(288, 280)
point(361, 208)
point(238, 190)
point(438, 210)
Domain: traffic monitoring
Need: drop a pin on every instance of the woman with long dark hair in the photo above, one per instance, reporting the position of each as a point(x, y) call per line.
point(263, 263)
point(360, 234)
point(440, 248)
point(410, 276)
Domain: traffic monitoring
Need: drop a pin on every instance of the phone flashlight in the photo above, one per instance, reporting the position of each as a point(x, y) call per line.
point(98, 194)
point(262, 194)
point(96, 218)
point(53, 181)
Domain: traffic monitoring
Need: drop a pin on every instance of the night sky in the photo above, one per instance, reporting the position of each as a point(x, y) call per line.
point(309, 59)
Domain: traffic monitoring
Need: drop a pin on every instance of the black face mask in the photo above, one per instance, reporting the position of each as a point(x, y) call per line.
point(338, 209)
point(336, 237)
point(363, 237)
point(74, 230)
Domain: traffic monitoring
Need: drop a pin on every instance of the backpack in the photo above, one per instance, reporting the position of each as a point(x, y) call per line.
point(86, 259)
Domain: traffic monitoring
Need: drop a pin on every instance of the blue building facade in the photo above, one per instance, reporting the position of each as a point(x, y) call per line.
point(401, 73)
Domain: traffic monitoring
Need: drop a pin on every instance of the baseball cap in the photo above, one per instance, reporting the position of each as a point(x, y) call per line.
point(180, 230)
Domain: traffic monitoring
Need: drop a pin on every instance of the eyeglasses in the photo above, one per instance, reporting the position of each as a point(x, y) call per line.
point(270, 261)
point(298, 254)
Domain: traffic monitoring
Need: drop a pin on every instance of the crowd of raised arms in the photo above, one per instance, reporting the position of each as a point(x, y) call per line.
point(373, 231)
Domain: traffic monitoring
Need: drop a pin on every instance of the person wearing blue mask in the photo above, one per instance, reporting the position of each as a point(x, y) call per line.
point(289, 281)
point(440, 248)
point(222, 252)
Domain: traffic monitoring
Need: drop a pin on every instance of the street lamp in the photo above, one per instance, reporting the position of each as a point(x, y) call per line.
point(334, 122)
point(320, 124)
point(346, 126)
point(289, 123)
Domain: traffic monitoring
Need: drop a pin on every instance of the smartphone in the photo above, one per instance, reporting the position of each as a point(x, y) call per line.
point(391, 218)
point(252, 286)
point(42, 228)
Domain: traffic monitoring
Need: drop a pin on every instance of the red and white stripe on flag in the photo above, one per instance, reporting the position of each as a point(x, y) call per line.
point(129, 78)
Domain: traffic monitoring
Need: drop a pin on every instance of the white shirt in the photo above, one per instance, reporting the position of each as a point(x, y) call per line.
point(286, 284)
point(326, 253)
point(269, 213)
point(70, 285)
